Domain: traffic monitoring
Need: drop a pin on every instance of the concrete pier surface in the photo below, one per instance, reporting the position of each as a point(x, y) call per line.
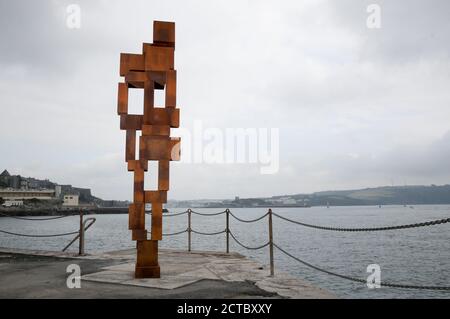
point(184, 275)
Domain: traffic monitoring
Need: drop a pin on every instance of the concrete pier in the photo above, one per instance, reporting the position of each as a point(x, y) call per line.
point(41, 274)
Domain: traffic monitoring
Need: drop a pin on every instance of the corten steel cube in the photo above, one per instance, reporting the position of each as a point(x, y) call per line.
point(151, 70)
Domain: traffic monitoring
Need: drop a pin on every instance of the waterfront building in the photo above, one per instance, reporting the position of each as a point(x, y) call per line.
point(71, 200)
point(22, 194)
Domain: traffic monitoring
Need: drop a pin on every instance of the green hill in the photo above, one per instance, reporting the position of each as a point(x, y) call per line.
point(387, 195)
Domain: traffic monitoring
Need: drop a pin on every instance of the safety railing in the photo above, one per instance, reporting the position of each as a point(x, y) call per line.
point(271, 244)
point(84, 225)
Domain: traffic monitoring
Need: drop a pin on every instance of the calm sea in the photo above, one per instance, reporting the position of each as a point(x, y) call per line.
point(419, 256)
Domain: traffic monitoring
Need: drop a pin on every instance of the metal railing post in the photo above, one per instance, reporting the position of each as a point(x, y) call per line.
point(227, 230)
point(81, 245)
point(271, 244)
point(189, 229)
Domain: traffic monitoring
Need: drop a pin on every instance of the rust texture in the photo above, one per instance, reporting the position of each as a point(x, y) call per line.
point(152, 70)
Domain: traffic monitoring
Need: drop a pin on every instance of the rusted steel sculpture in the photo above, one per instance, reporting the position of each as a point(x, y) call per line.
point(152, 70)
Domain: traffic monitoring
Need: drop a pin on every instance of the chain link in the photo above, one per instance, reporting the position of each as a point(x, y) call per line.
point(247, 247)
point(208, 234)
point(177, 233)
point(430, 223)
point(39, 236)
point(171, 234)
point(36, 219)
point(204, 214)
point(170, 215)
point(249, 220)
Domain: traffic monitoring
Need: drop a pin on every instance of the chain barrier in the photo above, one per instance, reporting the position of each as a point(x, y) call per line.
point(36, 219)
point(247, 247)
point(204, 214)
point(170, 215)
point(248, 220)
point(385, 284)
point(208, 234)
point(354, 279)
point(172, 234)
point(176, 233)
point(38, 236)
point(430, 223)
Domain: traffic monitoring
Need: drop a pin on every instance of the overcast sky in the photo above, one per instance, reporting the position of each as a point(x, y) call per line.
point(355, 107)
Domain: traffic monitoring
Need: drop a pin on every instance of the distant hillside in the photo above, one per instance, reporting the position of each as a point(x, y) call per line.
point(387, 195)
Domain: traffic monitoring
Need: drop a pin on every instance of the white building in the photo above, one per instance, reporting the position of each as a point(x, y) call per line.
point(71, 200)
point(22, 194)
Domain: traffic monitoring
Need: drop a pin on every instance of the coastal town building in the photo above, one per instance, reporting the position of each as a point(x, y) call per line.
point(18, 187)
point(16, 190)
point(18, 182)
point(71, 200)
point(23, 194)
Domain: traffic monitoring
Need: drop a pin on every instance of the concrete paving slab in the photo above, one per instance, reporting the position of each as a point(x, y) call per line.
point(180, 268)
point(39, 274)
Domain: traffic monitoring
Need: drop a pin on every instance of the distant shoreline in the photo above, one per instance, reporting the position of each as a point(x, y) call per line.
point(57, 212)
point(18, 212)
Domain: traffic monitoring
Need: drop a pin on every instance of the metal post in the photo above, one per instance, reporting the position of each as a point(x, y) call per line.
point(189, 229)
point(81, 245)
point(227, 230)
point(271, 244)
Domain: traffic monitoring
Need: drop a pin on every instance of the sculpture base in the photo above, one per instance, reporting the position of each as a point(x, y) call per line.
point(147, 272)
point(147, 265)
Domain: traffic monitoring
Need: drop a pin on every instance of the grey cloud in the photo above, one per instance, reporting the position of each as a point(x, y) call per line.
point(310, 68)
point(411, 30)
point(410, 163)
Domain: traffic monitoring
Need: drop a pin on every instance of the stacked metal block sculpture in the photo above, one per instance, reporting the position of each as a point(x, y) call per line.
point(152, 70)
